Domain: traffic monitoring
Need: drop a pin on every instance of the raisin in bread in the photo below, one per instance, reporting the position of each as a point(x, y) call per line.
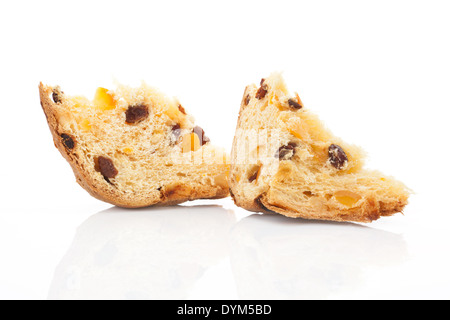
point(284, 160)
point(135, 147)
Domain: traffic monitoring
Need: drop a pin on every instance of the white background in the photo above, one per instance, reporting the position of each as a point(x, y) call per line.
point(377, 73)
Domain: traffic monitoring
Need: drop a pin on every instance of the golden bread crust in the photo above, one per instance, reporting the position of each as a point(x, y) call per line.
point(285, 161)
point(97, 186)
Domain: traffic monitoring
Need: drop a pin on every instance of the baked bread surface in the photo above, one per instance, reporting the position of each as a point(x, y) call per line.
point(284, 160)
point(135, 147)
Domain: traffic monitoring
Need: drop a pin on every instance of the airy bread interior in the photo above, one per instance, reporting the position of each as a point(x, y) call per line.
point(285, 160)
point(135, 147)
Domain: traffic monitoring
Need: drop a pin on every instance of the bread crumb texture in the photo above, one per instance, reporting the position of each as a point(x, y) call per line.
point(285, 160)
point(135, 147)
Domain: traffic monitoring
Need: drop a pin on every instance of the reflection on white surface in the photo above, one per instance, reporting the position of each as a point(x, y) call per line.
point(142, 254)
point(278, 258)
point(169, 253)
